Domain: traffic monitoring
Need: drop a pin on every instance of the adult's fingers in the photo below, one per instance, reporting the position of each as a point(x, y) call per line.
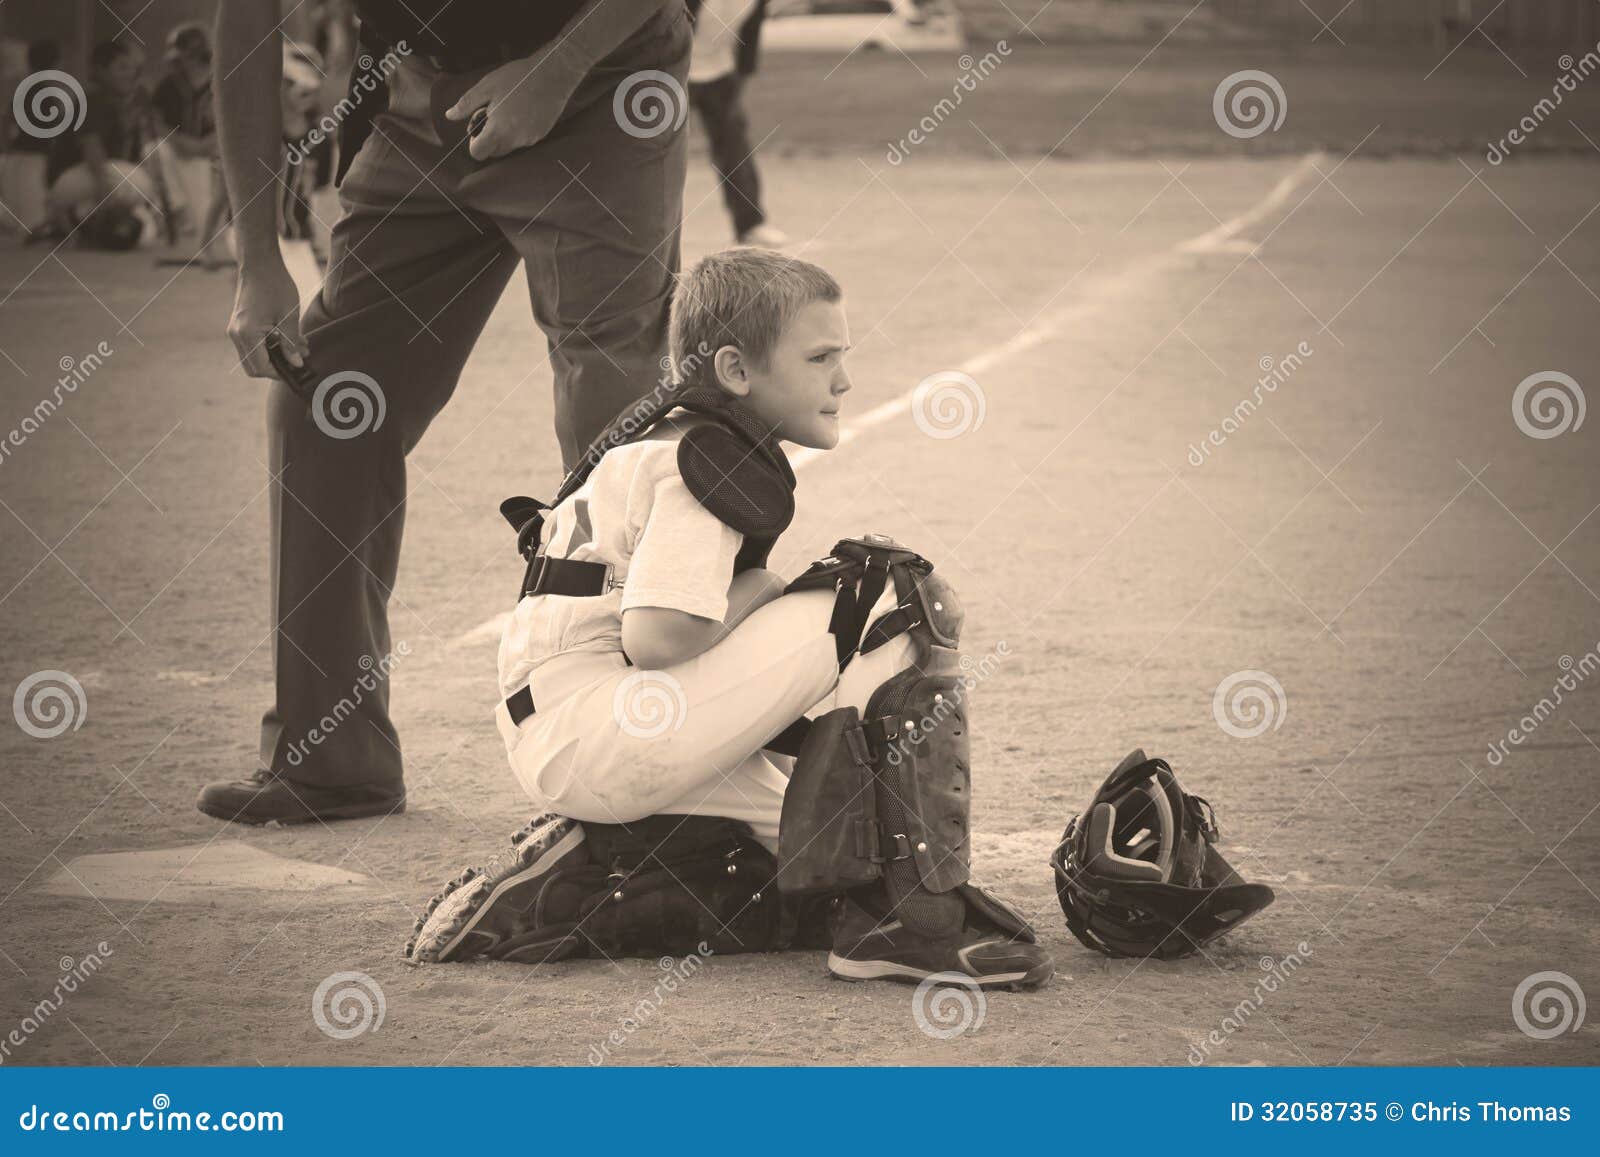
point(251, 344)
point(484, 92)
point(491, 141)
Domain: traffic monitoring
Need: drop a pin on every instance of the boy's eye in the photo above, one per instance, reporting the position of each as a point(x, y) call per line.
point(820, 358)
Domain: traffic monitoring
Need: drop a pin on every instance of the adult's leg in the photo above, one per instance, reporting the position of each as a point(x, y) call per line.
point(595, 210)
point(721, 106)
point(413, 277)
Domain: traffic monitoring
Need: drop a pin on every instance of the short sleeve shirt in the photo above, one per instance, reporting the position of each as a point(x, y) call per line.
point(184, 107)
point(666, 550)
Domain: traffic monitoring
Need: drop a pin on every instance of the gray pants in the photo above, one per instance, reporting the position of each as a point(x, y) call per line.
point(426, 244)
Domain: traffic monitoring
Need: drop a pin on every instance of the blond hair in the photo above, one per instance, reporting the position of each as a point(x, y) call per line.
point(743, 298)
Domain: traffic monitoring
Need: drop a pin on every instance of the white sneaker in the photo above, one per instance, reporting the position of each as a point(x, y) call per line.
point(765, 235)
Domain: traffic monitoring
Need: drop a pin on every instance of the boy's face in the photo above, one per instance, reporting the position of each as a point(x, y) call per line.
point(800, 389)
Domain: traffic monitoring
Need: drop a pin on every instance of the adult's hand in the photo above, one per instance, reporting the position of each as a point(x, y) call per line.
point(267, 302)
point(249, 70)
point(522, 102)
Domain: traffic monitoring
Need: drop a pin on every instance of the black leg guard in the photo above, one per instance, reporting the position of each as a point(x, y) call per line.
point(886, 801)
point(879, 807)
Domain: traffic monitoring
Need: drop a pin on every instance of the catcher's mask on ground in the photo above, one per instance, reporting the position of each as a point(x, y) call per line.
point(1138, 872)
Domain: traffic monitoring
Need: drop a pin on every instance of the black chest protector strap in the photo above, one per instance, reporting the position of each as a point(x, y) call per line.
point(732, 465)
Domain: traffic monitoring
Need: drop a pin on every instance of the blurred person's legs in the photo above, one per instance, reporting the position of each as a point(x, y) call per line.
point(720, 104)
point(23, 192)
point(324, 206)
point(212, 250)
point(161, 162)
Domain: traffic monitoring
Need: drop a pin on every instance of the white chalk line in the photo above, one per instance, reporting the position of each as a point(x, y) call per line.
point(1093, 298)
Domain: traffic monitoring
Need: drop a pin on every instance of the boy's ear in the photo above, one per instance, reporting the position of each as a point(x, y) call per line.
point(731, 371)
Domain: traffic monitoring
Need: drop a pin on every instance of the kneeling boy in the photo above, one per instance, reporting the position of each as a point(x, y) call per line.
point(652, 664)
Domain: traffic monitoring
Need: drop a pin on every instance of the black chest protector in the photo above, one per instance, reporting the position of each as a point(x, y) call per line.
point(732, 464)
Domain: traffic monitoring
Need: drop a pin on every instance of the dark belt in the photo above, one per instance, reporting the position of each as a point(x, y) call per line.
point(485, 56)
point(565, 576)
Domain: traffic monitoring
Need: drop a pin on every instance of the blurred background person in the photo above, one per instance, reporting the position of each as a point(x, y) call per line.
point(115, 166)
point(22, 169)
point(306, 202)
point(726, 39)
point(186, 116)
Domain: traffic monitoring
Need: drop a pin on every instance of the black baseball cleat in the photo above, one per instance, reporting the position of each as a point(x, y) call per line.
point(491, 911)
point(868, 945)
point(269, 797)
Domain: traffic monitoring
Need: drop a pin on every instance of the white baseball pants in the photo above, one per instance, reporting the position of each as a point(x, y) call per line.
point(610, 743)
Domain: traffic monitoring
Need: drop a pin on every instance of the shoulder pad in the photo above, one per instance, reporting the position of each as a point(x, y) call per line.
point(748, 487)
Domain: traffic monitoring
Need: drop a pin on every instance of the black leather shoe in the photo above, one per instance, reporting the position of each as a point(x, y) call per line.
point(267, 797)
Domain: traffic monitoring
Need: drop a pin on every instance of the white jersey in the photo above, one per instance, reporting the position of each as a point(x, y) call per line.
point(666, 550)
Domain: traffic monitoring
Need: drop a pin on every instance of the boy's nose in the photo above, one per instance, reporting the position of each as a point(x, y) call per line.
point(842, 383)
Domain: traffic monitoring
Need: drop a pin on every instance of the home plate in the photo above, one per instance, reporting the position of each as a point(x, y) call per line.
point(196, 873)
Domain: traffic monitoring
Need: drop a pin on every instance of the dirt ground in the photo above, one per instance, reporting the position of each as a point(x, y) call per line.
point(1379, 536)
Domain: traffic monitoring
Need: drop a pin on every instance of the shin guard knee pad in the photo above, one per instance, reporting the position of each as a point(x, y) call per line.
point(885, 799)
